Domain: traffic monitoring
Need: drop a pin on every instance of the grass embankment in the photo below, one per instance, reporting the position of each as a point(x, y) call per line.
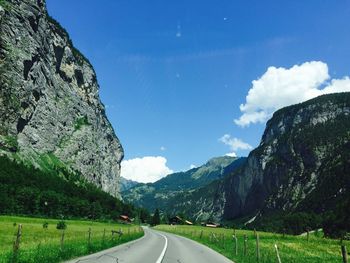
point(291, 248)
point(44, 245)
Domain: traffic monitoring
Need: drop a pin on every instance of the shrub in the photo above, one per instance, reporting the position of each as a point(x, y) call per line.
point(61, 225)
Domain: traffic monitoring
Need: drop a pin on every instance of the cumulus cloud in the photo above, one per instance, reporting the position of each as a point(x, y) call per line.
point(235, 144)
point(233, 154)
point(280, 87)
point(145, 170)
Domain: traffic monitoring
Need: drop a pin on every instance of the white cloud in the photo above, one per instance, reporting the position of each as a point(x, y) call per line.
point(192, 166)
point(179, 31)
point(280, 87)
point(107, 106)
point(233, 154)
point(145, 170)
point(162, 148)
point(235, 144)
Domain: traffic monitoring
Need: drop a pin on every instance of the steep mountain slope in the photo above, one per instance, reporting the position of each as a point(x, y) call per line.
point(50, 111)
point(28, 191)
point(165, 193)
point(301, 165)
point(126, 184)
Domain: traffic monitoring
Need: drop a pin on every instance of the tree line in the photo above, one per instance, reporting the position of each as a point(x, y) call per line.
point(25, 190)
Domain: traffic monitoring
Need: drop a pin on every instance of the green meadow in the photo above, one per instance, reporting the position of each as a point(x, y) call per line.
point(292, 249)
point(39, 244)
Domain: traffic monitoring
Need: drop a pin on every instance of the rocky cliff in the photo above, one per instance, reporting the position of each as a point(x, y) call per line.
point(51, 115)
point(301, 164)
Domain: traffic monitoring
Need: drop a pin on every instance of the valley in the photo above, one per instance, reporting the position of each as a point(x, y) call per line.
point(280, 194)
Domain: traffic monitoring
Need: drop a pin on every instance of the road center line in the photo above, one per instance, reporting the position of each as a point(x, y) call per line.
point(159, 260)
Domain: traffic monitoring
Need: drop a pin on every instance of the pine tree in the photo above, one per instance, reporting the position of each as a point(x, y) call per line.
point(155, 218)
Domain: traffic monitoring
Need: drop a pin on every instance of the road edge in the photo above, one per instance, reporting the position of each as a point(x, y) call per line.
point(160, 259)
point(97, 254)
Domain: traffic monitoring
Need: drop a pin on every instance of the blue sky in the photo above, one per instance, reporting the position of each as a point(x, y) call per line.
point(174, 73)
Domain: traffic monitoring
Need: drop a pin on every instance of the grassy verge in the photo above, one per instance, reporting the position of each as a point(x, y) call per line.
point(43, 245)
point(292, 249)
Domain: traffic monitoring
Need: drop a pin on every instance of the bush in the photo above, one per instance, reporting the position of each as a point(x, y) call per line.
point(61, 225)
point(45, 225)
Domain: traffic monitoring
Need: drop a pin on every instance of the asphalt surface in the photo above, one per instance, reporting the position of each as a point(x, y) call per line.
point(156, 247)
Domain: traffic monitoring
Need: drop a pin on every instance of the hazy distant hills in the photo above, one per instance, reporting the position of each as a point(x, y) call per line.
point(165, 192)
point(126, 184)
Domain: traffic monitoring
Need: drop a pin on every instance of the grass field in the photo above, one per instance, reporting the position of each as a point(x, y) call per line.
point(43, 245)
point(291, 248)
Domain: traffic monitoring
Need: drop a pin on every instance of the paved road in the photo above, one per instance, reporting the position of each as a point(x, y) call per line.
point(156, 247)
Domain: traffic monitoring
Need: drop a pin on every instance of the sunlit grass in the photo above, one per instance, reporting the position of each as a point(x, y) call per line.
point(291, 248)
point(43, 245)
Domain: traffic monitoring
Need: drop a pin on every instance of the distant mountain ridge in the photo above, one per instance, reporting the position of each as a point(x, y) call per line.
point(164, 193)
point(126, 184)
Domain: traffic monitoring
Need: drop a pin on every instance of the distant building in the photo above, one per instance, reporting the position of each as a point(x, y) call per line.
point(176, 220)
point(125, 219)
point(211, 224)
point(188, 222)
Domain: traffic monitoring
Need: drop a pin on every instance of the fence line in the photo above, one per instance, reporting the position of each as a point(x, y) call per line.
point(19, 234)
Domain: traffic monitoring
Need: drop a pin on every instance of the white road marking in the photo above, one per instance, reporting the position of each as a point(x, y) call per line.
point(159, 260)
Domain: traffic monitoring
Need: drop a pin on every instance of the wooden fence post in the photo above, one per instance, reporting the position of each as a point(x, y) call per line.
point(104, 235)
point(236, 244)
point(245, 245)
point(214, 238)
point(120, 233)
point(278, 254)
point(62, 240)
point(344, 254)
point(257, 248)
point(307, 235)
point(17, 241)
point(201, 234)
point(89, 240)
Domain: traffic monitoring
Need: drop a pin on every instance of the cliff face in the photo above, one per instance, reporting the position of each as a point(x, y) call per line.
point(301, 164)
point(50, 111)
point(289, 164)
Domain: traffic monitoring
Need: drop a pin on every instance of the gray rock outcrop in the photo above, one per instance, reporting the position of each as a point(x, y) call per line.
point(51, 115)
